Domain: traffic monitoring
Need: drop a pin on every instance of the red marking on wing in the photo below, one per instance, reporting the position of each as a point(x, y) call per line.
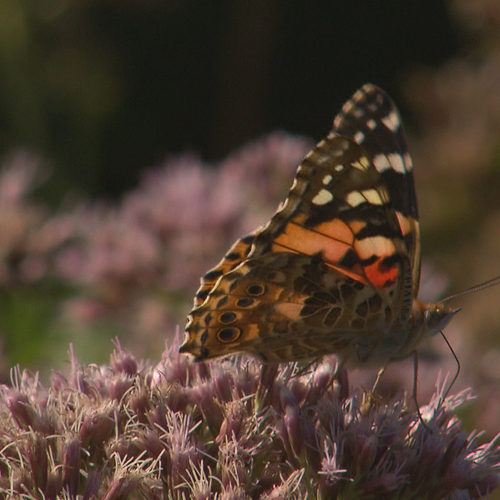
point(381, 275)
point(377, 272)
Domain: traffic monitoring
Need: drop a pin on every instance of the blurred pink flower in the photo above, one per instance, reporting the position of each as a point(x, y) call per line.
point(229, 427)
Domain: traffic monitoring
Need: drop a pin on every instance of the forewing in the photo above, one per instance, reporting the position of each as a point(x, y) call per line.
point(372, 120)
point(339, 208)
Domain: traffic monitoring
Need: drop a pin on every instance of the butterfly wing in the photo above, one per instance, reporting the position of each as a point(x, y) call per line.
point(338, 218)
point(372, 120)
point(233, 258)
point(284, 306)
point(339, 207)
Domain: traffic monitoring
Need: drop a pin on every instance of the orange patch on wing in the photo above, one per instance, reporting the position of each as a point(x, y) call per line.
point(405, 223)
point(337, 230)
point(357, 225)
point(332, 239)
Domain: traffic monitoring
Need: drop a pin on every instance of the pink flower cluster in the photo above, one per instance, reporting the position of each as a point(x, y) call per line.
point(135, 266)
point(231, 429)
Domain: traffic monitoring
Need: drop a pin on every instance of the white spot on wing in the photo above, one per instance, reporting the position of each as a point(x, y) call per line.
point(283, 205)
point(374, 244)
point(392, 121)
point(372, 197)
point(383, 194)
point(326, 179)
point(358, 95)
point(359, 137)
point(355, 198)
point(364, 161)
point(396, 162)
point(372, 124)
point(408, 162)
point(392, 160)
point(381, 162)
point(357, 164)
point(339, 167)
point(323, 197)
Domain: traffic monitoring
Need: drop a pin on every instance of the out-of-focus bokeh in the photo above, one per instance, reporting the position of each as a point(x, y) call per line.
point(129, 136)
point(100, 89)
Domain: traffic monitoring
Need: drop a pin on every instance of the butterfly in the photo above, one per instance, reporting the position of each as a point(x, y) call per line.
point(337, 268)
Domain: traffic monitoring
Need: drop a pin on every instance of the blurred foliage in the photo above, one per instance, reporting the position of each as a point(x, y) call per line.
point(100, 89)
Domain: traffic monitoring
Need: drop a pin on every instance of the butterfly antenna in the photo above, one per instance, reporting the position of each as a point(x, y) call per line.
point(476, 288)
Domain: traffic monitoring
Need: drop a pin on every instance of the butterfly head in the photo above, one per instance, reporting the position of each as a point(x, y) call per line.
point(436, 317)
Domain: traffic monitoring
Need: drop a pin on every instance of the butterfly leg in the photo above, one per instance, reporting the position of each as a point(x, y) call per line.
point(457, 361)
point(370, 398)
point(377, 380)
point(414, 394)
point(266, 383)
point(415, 384)
point(302, 369)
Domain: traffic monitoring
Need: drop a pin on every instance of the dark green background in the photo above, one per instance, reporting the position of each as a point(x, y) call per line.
point(101, 89)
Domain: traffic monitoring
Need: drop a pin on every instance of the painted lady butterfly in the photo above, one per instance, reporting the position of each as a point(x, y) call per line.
point(337, 268)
